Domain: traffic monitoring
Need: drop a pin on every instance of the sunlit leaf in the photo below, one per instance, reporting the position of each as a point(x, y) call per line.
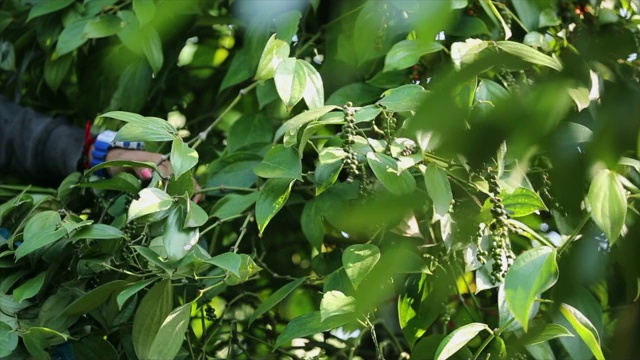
point(458, 339)
point(608, 203)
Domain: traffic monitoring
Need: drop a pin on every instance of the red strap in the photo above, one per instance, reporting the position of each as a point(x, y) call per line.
point(88, 142)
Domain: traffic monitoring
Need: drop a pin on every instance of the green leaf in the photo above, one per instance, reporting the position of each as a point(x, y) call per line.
point(133, 289)
point(147, 129)
point(275, 298)
point(228, 261)
point(291, 81)
point(55, 70)
point(608, 203)
point(177, 240)
point(273, 195)
point(196, 216)
point(118, 163)
point(545, 333)
point(40, 231)
point(233, 205)
point(234, 170)
point(72, 37)
point(335, 303)
point(287, 25)
point(312, 224)
point(359, 260)
point(145, 10)
point(329, 166)
point(99, 231)
point(403, 98)
point(149, 201)
point(94, 298)
point(274, 52)
point(170, 336)
point(301, 119)
point(549, 17)
point(584, 328)
point(439, 189)
point(464, 53)
point(309, 324)
point(47, 7)
point(280, 162)
point(247, 269)
point(249, 130)
point(580, 96)
point(522, 202)
point(125, 116)
point(367, 113)
point(121, 181)
point(35, 341)
point(407, 53)
point(458, 339)
point(8, 339)
point(314, 89)
point(152, 47)
point(94, 347)
point(183, 158)
point(357, 93)
point(532, 273)
point(385, 169)
point(151, 313)
point(239, 70)
point(30, 288)
point(102, 26)
point(529, 54)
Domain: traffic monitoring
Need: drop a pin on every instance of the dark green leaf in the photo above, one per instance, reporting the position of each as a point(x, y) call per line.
point(532, 273)
point(233, 204)
point(7, 56)
point(275, 298)
point(367, 113)
point(40, 231)
point(249, 130)
point(94, 298)
point(544, 333)
point(94, 347)
point(357, 93)
point(30, 288)
point(234, 170)
point(239, 70)
point(273, 195)
point(407, 53)
point(359, 260)
point(280, 162)
point(72, 37)
point(47, 7)
point(102, 26)
point(99, 231)
point(145, 10)
point(8, 339)
point(170, 336)
point(403, 98)
point(133, 289)
point(118, 163)
point(121, 181)
point(385, 169)
point(152, 47)
point(312, 224)
point(152, 311)
point(608, 203)
point(56, 70)
point(291, 81)
point(309, 324)
point(183, 158)
point(458, 339)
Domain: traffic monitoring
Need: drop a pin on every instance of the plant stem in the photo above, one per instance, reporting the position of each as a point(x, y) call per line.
point(243, 230)
point(491, 337)
point(203, 135)
point(575, 234)
point(529, 231)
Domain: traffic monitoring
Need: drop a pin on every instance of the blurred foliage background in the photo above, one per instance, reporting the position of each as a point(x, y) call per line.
point(384, 179)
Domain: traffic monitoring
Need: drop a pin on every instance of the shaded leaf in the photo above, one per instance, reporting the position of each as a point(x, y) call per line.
point(407, 53)
point(584, 328)
point(403, 98)
point(275, 298)
point(458, 339)
point(183, 157)
point(170, 336)
point(150, 315)
point(280, 162)
point(47, 7)
point(529, 54)
point(608, 203)
point(273, 195)
point(94, 298)
point(309, 324)
point(385, 169)
point(30, 288)
point(359, 260)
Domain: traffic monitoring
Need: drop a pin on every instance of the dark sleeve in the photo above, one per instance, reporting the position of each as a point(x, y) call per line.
point(37, 147)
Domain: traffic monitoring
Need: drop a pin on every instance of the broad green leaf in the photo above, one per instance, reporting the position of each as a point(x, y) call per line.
point(357, 93)
point(522, 202)
point(239, 70)
point(125, 116)
point(273, 195)
point(439, 189)
point(580, 96)
point(312, 224)
point(291, 81)
point(287, 25)
point(94, 347)
point(386, 170)
point(359, 260)
point(529, 54)
point(72, 37)
point(336, 303)
point(147, 129)
point(280, 162)
point(94, 298)
point(153, 258)
point(407, 53)
point(608, 203)
point(458, 339)
point(30, 288)
point(274, 52)
point(233, 205)
point(149, 201)
point(55, 70)
point(309, 324)
point(47, 7)
point(177, 239)
point(228, 261)
point(121, 181)
point(99, 231)
point(532, 273)
point(314, 90)
point(528, 12)
point(329, 166)
point(10, 280)
point(183, 158)
point(118, 163)
point(544, 333)
point(247, 269)
point(234, 170)
point(102, 26)
point(249, 130)
point(584, 328)
point(40, 231)
point(151, 313)
point(367, 113)
point(301, 119)
point(145, 10)
point(403, 98)
point(196, 216)
point(8, 339)
point(275, 298)
point(133, 289)
point(170, 336)
point(152, 47)
point(36, 342)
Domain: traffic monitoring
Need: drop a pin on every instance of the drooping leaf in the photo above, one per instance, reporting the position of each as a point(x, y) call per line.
point(458, 339)
point(30, 287)
point(280, 162)
point(273, 195)
point(529, 54)
point(72, 37)
point(584, 328)
point(94, 298)
point(275, 298)
point(291, 81)
point(170, 336)
point(531, 274)
point(312, 224)
point(145, 10)
point(150, 315)
point(385, 169)
point(359, 260)
point(152, 47)
point(183, 157)
point(608, 203)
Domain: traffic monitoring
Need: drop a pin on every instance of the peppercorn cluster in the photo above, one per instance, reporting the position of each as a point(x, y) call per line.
point(501, 253)
point(389, 123)
point(348, 139)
